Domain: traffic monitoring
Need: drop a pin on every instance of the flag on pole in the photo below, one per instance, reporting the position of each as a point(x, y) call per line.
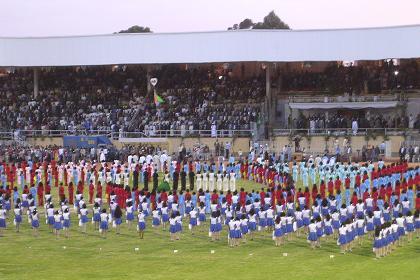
point(158, 100)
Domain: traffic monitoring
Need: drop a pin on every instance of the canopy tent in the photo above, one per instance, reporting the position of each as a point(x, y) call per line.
point(220, 46)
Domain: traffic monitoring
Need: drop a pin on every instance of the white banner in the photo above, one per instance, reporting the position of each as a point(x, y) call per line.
point(143, 140)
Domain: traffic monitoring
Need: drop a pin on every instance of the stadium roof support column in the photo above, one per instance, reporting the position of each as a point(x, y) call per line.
point(36, 82)
point(268, 94)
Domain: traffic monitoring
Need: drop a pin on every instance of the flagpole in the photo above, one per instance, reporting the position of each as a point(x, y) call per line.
point(154, 81)
point(154, 94)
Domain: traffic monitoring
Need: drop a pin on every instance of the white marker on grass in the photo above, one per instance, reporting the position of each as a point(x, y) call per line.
point(284, 254)
point(136, 249)
point(175, 251)
point(331, 256)
point(212, 252)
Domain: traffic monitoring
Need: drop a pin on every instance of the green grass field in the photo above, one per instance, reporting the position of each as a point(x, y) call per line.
point(88, 256)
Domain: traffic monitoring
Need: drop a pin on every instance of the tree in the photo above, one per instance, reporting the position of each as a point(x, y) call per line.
point(136, 29)
point(271, 21)
point(246, 24)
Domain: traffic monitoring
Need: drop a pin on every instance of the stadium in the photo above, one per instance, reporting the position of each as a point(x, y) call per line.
point(231, 154)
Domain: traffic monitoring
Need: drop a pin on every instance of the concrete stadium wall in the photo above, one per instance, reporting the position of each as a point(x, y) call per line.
point(171, 144)
point(238, 144)
point(45, 141)
point(318, 143)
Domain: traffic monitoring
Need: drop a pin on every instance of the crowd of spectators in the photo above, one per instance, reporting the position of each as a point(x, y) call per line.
point(353, 79)
point(320, 121)
point(116, 99)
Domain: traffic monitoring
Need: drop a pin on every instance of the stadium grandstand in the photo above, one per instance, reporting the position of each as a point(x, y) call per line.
point(311, 89)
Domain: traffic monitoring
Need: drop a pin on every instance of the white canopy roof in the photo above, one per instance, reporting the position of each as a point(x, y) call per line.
point(220, 46)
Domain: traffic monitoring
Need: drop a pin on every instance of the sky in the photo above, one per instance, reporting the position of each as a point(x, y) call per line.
point(21, 18)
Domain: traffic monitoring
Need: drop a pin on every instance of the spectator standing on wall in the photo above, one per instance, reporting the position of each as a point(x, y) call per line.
point(402, 152)
point(213, 130)
point(382, 147)
point(411, 153)
point(289, 153)
point(354, 126)
point(338, 153)
point(227, 149)
point(216, 147)
point(349, 153)
point(416, 153)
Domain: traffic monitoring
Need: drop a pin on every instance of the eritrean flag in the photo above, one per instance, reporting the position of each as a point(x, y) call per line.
point(157, 99)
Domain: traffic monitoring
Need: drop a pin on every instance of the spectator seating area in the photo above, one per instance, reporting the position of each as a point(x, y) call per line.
point(353, 79)
point(334, 121)
point(116, 99)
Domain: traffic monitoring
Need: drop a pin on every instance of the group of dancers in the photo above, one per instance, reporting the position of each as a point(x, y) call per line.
point(346, 202)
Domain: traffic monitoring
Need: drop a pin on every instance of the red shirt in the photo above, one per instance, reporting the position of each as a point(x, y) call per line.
point(164, 196)
point(187, 196)
point(398, 190)
point(262, 196)
point(152, 199)
point(365, 177)
point(99, 190)
point(388, 192)
point(347, 182)
point(278, 194)
point(410, 182)
point(61, 190)
point(315, 193)
point(80, 187)
point(214, 197)
point(40, 189)
point(382, 192)
point(337, 184)
point(91, 188)
point(354, 200)
point(47, 189)
point(365, 195)
point(71, 191)
point(330, 187)
point(404, 185)
point(242, 198)
point(357, 180)
point(229, 198)
point(374, 174)
point(375, 196)
point(108, 188)
point(307, 198)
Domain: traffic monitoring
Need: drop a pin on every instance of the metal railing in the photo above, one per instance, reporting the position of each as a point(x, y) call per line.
point(345, 98)
point(344, 131)
point(23, 134)
point(189, 133)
